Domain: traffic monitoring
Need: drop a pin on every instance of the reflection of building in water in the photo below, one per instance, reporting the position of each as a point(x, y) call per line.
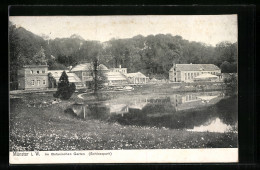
point(189, 101)
point(137, 103)
point(118, 108)
point(189, 98)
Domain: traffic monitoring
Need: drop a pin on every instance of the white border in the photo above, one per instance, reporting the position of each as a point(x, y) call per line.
point(223, 155)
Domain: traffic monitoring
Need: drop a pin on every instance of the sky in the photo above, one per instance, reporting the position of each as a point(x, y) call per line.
point(209, 29)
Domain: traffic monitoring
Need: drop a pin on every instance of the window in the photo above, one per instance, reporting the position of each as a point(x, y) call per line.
point(38, 71)
point(43, 71)
point(38, 82)
point(188, 75)
point(32, 82)
point(43, 82)
point(31, 71)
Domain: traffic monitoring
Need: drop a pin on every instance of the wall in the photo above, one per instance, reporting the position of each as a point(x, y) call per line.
point(190, 75)
point(122, 70)
point(38, 75)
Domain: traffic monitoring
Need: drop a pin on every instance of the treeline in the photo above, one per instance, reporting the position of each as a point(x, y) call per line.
point(152, 55)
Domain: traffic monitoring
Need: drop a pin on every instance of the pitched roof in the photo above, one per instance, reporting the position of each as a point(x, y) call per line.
point(115, 76)
point(195, 67)
point(73, 78)
point(34, 66)
point(102, 67)
point(88, 66)
point(81, 67)
point(138, 74)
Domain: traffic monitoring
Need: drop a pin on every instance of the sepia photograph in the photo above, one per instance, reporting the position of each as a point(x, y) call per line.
point(141, 85)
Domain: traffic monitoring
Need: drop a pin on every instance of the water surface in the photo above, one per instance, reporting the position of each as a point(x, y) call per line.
point(200, 112)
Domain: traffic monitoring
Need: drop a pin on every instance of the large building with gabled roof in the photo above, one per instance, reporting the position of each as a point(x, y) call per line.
point(188, 72)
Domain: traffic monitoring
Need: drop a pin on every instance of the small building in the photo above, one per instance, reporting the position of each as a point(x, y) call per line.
point(54, 77)
point(33, 77)
point(137, 78)
point(85, 71)
point(187, 72)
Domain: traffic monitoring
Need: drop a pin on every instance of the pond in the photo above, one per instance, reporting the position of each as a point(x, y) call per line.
point(200, 112)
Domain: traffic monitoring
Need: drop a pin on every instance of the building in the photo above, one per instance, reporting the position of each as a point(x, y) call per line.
point(120, 69)
point(33, 77)
point(54, 77)
point(85, 71)
point(137, 78)
point(187, 72)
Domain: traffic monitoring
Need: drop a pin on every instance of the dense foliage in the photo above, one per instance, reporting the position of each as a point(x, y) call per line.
point(231, 85)
point(65, 89)
point(152, 55)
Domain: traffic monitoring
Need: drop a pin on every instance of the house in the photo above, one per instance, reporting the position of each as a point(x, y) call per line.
point(33, 77)
point(137, 78)
point(85, 71)
point(54, 77)
point(187, 72)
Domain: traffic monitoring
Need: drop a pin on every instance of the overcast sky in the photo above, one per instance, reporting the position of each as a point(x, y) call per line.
point(209, 29)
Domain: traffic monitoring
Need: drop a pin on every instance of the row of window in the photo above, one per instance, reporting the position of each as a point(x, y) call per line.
point(122, 71)
point(38, 72)
point(192, 75)
point(38, 82)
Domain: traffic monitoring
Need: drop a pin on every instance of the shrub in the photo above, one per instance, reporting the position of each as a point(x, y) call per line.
point(65, 89)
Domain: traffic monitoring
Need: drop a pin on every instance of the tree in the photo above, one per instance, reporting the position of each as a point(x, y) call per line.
point(65, 89)
point(231, 85)
point(40, 58)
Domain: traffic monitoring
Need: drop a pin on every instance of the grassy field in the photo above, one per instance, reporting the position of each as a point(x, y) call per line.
point(47, 127)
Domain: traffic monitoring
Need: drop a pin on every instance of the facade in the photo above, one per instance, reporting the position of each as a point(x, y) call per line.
point(137, 78)
point(33, 77)
point(54, 77)
point(188, 72)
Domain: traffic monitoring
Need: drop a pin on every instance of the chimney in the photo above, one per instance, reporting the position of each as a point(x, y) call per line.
point(70, 67)
point(120, 66)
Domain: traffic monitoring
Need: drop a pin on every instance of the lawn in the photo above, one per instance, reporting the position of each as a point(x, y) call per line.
point(47, 128)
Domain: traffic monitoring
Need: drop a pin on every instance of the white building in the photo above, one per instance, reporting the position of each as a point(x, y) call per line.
point(188, 72)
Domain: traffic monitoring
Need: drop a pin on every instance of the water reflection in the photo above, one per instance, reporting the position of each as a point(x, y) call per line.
point(213, 126)
point(192, 111)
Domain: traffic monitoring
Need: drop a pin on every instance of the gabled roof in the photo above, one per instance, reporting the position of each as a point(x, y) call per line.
point(138, 74)
point(115, 76)
point(102, 67)
point(73, 78)
point(81, 67)
point(88, 66)
point(195, 67)
point(34, 66)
